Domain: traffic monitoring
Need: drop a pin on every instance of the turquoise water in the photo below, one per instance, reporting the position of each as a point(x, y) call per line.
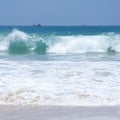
point(60, 65)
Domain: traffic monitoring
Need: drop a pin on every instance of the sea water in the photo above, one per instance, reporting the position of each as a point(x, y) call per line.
point(60, 65)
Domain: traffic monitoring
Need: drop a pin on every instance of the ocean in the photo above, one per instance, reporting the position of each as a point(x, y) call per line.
point(60, 65)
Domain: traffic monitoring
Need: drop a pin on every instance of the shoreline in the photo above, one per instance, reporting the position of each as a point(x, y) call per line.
point(33, 112)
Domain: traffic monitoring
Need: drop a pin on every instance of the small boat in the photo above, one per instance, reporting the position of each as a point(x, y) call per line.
point(83, 25)
point(37, 25)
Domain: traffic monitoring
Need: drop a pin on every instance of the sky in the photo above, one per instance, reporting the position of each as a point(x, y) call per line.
point(60, 12)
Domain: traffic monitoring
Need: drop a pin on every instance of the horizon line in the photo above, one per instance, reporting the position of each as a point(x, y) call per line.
point(59, 25)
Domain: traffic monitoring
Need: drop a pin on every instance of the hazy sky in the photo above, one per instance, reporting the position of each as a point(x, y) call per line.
point(60, 12)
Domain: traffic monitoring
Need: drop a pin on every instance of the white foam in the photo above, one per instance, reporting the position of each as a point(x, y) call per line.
point(59, 83)
point(84, 43)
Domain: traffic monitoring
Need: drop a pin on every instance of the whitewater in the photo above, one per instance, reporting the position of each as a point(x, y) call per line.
point(60, 65)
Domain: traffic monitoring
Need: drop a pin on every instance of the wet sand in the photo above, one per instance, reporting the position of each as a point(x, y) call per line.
point(59, 113)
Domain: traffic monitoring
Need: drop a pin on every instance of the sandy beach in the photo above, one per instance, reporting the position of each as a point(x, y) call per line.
point(59, 113)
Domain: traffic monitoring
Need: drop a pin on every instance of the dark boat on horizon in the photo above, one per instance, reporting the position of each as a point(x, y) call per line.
point(38, 25)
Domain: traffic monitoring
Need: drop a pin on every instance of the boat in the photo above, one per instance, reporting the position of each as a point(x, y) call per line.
point(37, 25)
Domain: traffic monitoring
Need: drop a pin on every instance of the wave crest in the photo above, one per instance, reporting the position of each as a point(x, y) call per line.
point(18, 42)
point(86, 44)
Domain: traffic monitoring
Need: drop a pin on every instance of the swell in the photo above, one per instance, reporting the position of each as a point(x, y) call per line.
point(18, 42)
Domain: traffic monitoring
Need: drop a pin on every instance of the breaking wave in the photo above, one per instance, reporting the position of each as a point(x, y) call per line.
point(18, 42)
